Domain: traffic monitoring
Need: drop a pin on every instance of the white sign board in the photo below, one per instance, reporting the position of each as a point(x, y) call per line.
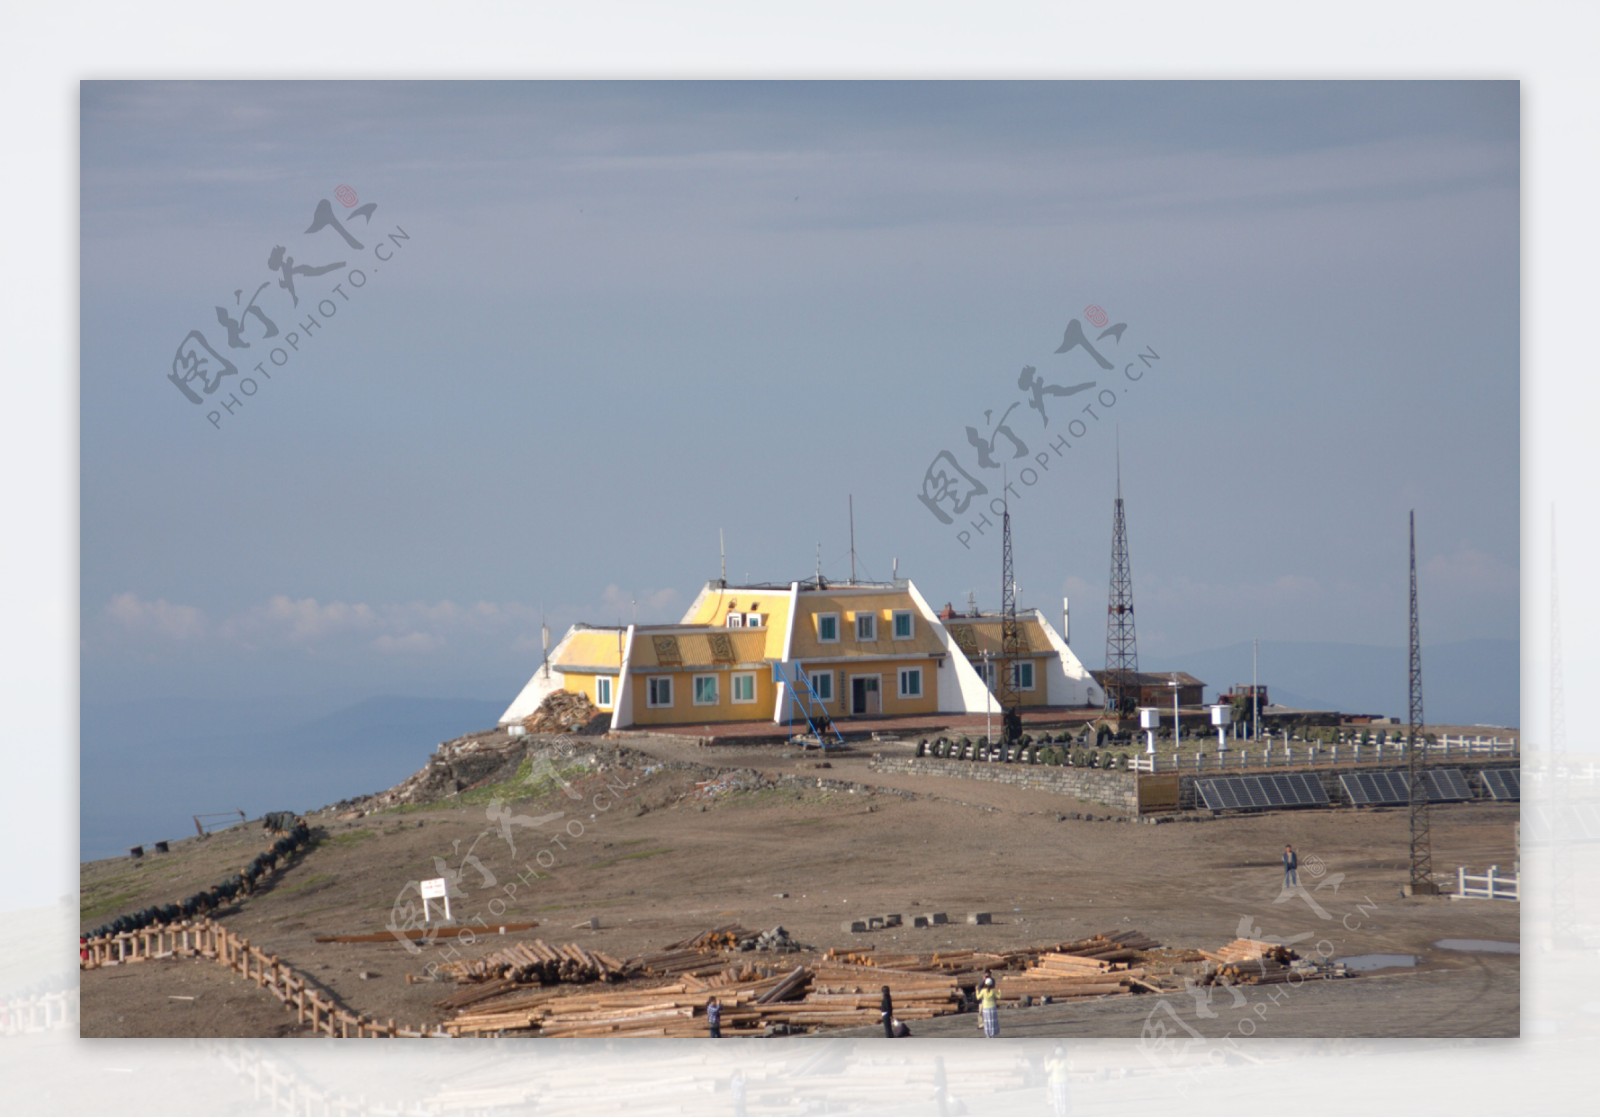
point(435, 888)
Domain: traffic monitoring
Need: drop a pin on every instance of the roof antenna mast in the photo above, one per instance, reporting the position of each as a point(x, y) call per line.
point(852, 539)
point(722, 550)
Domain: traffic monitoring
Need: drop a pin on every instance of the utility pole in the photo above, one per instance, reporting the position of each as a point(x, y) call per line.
point(1422, 883)
point(1255, 689)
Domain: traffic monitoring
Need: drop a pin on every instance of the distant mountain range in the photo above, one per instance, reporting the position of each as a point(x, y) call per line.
point(147, 767)
point(1476, 682)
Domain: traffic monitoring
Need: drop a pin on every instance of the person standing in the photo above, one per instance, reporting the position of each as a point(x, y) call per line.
point(714, 1017)
point(1291, 864)
point(1055, 1073)
point(886, 1013)
point(989, 1005)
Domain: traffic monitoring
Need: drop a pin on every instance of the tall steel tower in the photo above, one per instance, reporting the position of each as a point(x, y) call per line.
point(1010, 639)
point(1122, 646)
point(1417, 752)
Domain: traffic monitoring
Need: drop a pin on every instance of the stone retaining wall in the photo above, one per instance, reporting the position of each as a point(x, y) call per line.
point(1101, 786)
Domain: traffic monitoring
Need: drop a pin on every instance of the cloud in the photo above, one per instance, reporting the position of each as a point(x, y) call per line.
point(1467, 570)
point(406, 644)
point(286, 622)
point(159, 617)
point(650, 605)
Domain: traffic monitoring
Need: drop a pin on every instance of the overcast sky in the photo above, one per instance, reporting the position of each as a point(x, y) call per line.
point(616, 318)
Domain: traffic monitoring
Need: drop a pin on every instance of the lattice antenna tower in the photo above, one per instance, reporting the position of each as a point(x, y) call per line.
point(1010, 638)
point(1122, 646)
point(1417, 752)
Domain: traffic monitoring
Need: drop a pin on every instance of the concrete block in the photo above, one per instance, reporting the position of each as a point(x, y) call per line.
point(980, 918)
point(874, 922)
point(938, 918)
point(893, 920)
point(855, 925)
point(919, 922)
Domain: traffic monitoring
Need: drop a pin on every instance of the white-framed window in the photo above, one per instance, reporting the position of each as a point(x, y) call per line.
point(828, 628)
point(602, 691)
point(743, 686)
point(910, 683)
point(754, 621)
point(902, 625)
point(822, 684)
point(659, 691)
point(1022, 675)
point(705, 690)
point(736, 621)
point(866, 626)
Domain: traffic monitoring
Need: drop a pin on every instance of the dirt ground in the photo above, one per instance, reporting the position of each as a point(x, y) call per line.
point(657, 856)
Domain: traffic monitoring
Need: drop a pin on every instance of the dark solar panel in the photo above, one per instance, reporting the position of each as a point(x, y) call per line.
point(1389, 788)
point(1233, 793)
point(1502, 784)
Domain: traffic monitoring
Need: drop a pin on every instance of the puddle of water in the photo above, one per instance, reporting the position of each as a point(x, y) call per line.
point(1376, 962)
point(1490, 946)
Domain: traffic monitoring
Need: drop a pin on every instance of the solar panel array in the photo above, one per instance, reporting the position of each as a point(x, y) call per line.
point(1503, 784)
point(1231, 793)
point(1438, 786)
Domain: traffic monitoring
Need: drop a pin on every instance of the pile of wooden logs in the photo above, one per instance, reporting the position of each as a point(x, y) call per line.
point(752, 1002)
point(724, 938)
point(1251, 962)
point(538, 962)
point(561, 711)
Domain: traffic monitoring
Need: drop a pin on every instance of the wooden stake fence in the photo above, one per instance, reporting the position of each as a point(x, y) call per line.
point(207, 939)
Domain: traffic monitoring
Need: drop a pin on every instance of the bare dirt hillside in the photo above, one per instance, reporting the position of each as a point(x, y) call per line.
point(657, 839)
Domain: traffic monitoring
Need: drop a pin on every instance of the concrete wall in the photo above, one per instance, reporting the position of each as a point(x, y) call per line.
point(1100, 786)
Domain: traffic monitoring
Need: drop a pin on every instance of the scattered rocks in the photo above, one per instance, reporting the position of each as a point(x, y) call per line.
point(775, 939)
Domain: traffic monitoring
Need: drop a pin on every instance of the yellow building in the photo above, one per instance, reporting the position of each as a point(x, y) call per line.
point(853, 650)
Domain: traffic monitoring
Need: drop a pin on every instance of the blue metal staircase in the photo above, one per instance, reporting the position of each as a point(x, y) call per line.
point(811, 707)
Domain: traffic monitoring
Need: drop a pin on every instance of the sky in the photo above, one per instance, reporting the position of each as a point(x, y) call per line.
point(599, 323)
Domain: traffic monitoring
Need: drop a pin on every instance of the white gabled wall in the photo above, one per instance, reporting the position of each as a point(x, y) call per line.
point(534, 691)
point(781, 691)
point(1067, 682)
point(622, 701)
point(961, 688)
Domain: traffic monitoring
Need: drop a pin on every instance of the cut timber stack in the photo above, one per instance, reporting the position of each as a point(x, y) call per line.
point(538, 962)
point(561, 712)
point(1252, 962)
point(797, 999)
point(724, 938)
point(673, 1009)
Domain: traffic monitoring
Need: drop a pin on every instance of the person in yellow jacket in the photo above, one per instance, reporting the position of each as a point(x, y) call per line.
point(1055, 1071)
point(989, 1005)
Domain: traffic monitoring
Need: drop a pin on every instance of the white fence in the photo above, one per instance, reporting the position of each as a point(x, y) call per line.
point(1491, 886)
point(1443, 751)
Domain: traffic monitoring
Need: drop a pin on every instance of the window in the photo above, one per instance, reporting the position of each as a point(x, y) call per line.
point(754, 621)
point(866, 626)
point(822, 684)
point(1022, 675)
point(910, 683)
point(660, 692)
point(744, 687)
point(902, 624)
point(602, 691)
point(705, 690)
point(736, 621)
point(827, 627)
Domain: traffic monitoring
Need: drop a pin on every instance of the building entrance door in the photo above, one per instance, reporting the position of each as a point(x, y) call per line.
point(864, 695)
